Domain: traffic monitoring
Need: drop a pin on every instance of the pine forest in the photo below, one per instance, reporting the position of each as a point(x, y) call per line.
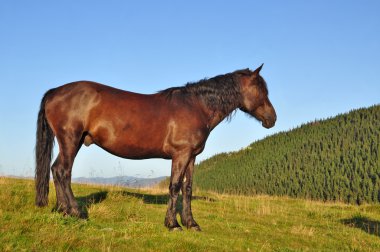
point(330, 160)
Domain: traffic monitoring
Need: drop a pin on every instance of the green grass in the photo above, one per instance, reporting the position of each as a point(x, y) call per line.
point(129, 220)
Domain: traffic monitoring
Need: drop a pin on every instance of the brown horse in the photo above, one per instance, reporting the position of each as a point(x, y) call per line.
point(171, 124)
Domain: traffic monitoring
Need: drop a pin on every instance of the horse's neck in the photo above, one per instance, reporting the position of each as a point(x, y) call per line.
point(216, 117)
point(216, 114)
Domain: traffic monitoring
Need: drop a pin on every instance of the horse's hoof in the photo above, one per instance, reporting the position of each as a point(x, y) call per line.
point(83, 215)
point(72, 212)
point(196, 228)
point(62, 210)
point(175, 229)
point(75, 213)
point(78, 214)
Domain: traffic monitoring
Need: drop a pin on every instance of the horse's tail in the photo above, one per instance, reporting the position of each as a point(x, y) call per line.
point(44, 151)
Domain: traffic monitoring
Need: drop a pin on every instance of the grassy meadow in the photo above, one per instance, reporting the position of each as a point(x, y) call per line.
point(121, 219)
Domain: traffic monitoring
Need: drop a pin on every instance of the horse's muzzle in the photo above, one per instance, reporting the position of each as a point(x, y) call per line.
point(268, 125)
point(269, 121)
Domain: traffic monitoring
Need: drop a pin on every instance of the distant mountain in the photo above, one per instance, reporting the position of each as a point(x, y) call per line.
point(336, 159)
point(127, 181)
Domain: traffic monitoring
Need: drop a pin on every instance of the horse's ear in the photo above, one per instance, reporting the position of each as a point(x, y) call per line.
point(257, 71)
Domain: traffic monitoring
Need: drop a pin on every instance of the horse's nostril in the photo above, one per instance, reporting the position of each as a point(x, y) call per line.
point(269, 121)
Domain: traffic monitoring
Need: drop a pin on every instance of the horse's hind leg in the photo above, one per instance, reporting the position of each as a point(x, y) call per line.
point(69, 145)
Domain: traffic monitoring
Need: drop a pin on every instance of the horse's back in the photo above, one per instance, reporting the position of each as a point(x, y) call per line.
point(81, 97)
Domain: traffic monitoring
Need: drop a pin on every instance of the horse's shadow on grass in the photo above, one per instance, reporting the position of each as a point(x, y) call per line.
point(157, 199)
point(367, 225)
point(162, 199)
point(85, 202)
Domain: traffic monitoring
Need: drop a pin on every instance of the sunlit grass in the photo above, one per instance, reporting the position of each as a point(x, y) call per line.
point(123, 219)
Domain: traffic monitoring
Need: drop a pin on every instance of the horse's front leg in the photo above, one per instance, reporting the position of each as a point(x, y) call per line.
point(187, 215)
point(179, 165)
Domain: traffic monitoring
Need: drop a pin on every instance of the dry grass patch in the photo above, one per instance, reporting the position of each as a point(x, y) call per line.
point(3, 180)
point(302, 230)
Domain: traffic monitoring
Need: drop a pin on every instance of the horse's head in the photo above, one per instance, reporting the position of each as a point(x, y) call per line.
point(255, 99)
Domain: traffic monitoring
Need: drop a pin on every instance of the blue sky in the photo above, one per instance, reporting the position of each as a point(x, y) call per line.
point(321, 58)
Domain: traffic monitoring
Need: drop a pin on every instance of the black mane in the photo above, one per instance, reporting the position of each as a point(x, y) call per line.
point(220, 93)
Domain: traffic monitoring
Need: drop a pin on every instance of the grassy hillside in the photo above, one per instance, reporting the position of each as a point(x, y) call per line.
point(129, 220)
point(336, 159)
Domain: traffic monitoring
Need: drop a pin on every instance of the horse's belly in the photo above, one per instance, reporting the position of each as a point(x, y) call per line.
point(136, 152)
point(129, 147)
